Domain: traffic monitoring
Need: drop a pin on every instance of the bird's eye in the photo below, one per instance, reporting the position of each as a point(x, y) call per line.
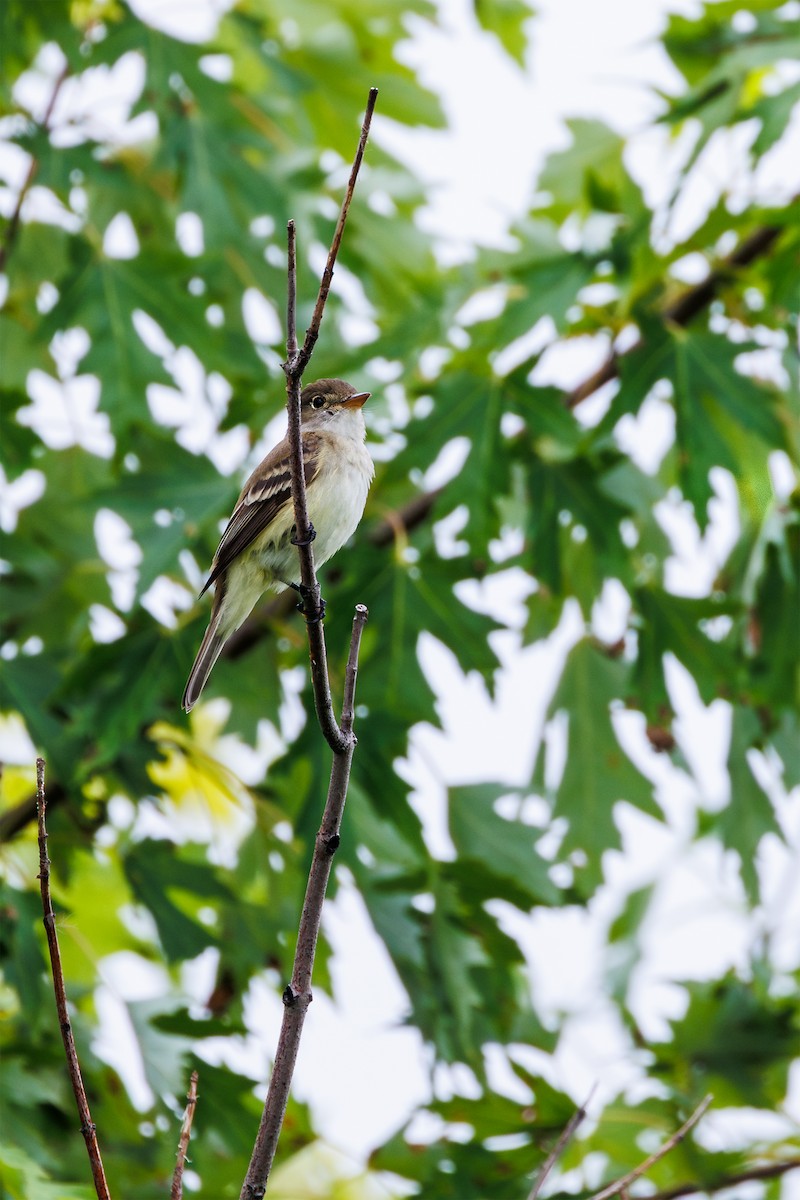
point(317, 401)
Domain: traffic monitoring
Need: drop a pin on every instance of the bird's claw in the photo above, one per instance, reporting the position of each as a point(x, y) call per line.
point(306, 541)
point(306, 597)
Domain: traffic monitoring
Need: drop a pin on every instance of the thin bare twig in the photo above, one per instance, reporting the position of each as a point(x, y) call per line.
point(683, 310)
point(312, 333)
point(312, 602)
point(291, 293)
point(88, 1128)
point(566, 1136)
point(176, 1191)
point(297, 996)
point(621, 1185)
point(13, 222)
point(296, 362)
point(762, 1172)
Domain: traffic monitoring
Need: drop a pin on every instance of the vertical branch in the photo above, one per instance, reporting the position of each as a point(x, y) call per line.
point(291, 293)
point(304, 532)
point(296, 362)
point(176, 1191)
point(12, 228)
point(312, 333)
point(88, 1128)
point(297, 996)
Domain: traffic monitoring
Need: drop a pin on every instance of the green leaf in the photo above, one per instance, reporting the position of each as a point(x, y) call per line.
point(502, 849)
point(723, 418)
point(506, 19)
point(674, 625)
point(168, 882)
point(164, 502)
point(748, 815)
point(26, 1180)
point(625, 941)
point(597, 773)
point(735, 1040)
point(775, 113)
point(590, 174)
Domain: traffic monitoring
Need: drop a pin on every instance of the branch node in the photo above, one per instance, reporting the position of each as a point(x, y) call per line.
point(289, 997)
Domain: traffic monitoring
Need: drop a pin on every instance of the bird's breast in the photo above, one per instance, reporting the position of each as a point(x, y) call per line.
point(337, 496)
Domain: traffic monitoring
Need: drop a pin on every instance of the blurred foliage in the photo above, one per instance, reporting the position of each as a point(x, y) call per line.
point(140, 346)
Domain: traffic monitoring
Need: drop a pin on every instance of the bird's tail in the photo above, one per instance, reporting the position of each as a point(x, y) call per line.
point(207, 655)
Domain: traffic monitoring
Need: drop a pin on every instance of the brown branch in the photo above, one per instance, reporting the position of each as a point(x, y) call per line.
point(297, 996)
point(565, 1137)
point(753, 1174)
point(695, 299)
point(296, 362)
point(622, 1185)
point(88, 1128)
point(383, 533)
point(405, 518)
point(683, 310)
point(12, 228)
point(176, 1191)
point(312, 333)
point(688, 305)
point(313, 608)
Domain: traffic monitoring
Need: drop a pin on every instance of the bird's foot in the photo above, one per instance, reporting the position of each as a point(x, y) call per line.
point(306, 541)
point(313, 613)
point(314, 618)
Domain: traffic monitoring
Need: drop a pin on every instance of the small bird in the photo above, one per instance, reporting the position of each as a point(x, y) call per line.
point(256, 551)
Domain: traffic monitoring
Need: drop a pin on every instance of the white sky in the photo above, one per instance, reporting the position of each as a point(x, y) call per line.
point(589, 59)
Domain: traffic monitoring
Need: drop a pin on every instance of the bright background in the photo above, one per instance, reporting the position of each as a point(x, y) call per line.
point(599, 60)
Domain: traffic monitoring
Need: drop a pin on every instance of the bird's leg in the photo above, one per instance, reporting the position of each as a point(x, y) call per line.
point(313, 613)
point(305, 594)
point(314, 617)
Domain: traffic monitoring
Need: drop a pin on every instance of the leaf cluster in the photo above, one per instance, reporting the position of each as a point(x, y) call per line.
point(141, 346)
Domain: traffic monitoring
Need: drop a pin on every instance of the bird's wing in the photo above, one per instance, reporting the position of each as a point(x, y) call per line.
point(267, 490)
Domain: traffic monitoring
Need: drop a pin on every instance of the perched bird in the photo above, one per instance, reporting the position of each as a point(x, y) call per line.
point(256, 550)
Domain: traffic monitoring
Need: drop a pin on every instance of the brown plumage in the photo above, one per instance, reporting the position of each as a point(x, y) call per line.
point(256, 550)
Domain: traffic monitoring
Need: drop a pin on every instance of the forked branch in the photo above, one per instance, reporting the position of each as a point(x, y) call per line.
point(296, 362)
point(297, 995)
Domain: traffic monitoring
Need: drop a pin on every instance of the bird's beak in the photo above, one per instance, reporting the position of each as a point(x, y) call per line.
point(356, 401)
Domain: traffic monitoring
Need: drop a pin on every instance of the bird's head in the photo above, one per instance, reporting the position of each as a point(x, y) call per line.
point(328, 400)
